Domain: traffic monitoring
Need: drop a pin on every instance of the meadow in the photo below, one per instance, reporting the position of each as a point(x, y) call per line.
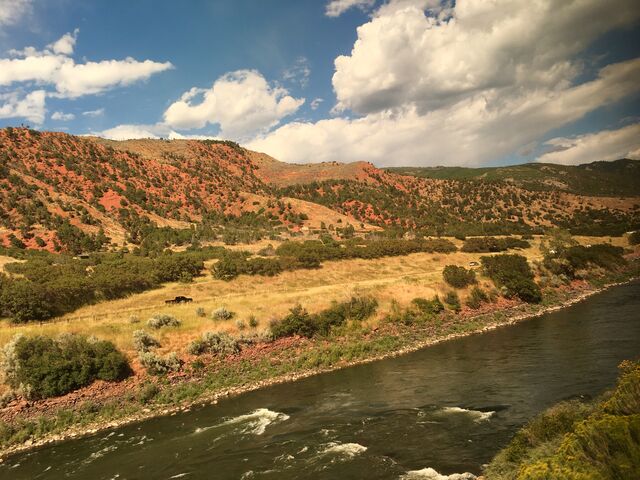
point(387, 279)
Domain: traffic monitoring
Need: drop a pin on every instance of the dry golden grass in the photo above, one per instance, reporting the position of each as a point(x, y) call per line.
point(392, 278)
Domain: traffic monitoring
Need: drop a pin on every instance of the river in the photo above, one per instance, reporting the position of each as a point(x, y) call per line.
point(449, 407)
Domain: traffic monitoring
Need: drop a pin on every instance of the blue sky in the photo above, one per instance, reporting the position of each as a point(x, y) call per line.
point(427, 83)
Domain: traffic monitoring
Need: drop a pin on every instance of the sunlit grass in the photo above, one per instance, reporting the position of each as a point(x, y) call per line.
point(391, 278)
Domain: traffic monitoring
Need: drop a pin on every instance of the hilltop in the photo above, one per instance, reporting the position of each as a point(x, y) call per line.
point(617, 178)
point(62, 192)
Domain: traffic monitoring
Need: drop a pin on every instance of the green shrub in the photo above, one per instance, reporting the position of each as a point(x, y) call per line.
point(634, 238)
point(428, 307)
point(143, 342)
point(452, 300)
point(157, 365)
point(163, 320)
point(493, 244)
point(297, 322)
point(513, 275)
point(201, 312)
point(25, 301)
point(458, 277)
point(147, 392)
point(300, 322)
point(222, 314)
point(602, 255)
point(214, 343)
point(253, 321)
point(41, 367)
point(476, 298)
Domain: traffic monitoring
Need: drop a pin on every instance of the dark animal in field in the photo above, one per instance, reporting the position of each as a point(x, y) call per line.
point(179, 299)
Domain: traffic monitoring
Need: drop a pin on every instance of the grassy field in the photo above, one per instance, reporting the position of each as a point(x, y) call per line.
point(393, 278)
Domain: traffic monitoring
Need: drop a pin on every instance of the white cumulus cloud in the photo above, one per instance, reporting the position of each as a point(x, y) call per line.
point(64, 117)
point(435, 57)
point(127, 132)
point(66, 43)
point(477, 129)
point(335, 8)
point(157, 130)
point(30, 106)
point(604, 145)
point(431, 83)
point(11, 11)
point(242, 103)
point(54, 67)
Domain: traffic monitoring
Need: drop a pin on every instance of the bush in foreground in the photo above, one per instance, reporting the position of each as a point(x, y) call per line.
point(579, 441)
point(41, 367)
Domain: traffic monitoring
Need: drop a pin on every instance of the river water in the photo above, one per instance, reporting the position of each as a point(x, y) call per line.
point(449, 408)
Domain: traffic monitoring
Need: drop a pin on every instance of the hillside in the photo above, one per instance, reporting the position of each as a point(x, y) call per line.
point(67, 193)
point(618, 178)
point(60, 191)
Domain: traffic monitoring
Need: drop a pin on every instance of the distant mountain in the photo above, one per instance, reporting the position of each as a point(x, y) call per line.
point(617, 178)
point(69, 193)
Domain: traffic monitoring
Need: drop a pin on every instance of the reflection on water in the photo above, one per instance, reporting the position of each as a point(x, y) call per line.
point(445, 409)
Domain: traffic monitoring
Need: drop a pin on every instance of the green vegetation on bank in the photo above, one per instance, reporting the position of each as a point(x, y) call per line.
point(580, 441)
point(513, 276)
point(49, 285)
point(301, 322)
point(458, 277)
point(41, 367)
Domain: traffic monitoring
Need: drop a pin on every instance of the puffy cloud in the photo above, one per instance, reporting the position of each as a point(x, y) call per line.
point(335, 8)
point(603, 145)
point(55, 67)
point(241, 102)
point(65, 44)
point(94, 113)
point(126, 132)
point(11, 11)
point(479, 128)
point(158, 130)
point(434, 58)
point(64, 117)
point(30, 107)
point(461, 83)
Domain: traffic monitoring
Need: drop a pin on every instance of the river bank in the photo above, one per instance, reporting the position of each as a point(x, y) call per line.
point(279, 362)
